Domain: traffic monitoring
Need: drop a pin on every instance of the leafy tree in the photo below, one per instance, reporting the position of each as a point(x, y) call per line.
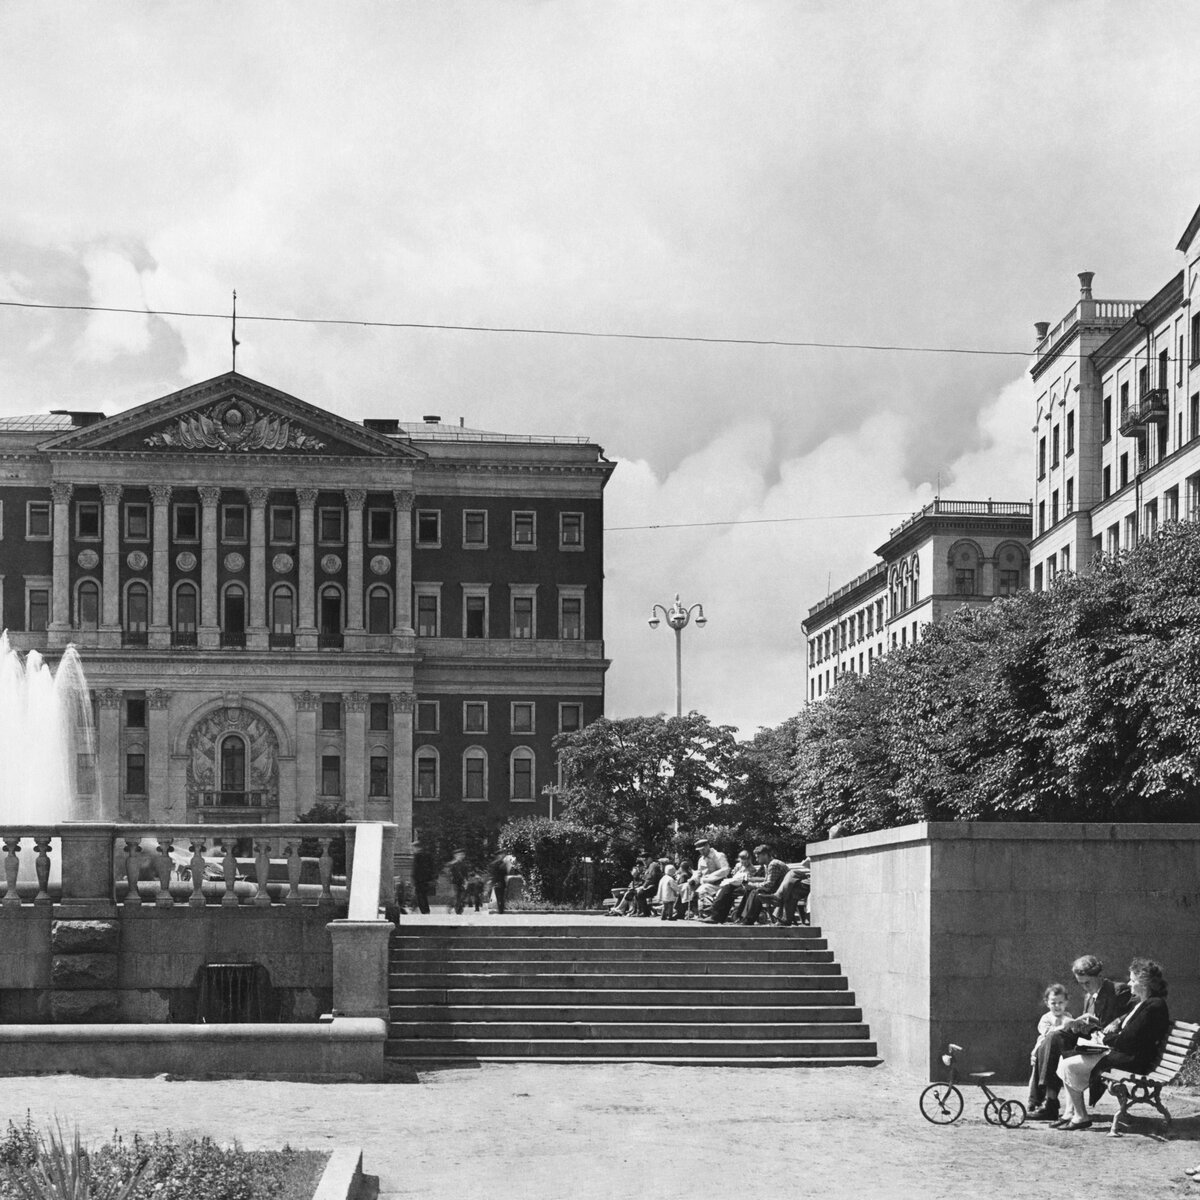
point(552, 856)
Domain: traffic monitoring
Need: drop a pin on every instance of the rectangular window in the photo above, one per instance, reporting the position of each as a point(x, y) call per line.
point(429, 527)
point(473, 780)
point(1066, 558)
point(283, 523)
point(137, 522)
point(331, 714)
point(1041, 458)
point(378, 780)
point(379, 611)
point(1195, 339)
point(1114, 538)
point(1107, 487)
point(964, 581)
point(331, 774)
point(570, 620)
point(37, 519)
point(1130, 533)
point(135, 712)
point(522, 716)
point(380, 716)
point(475, 616)
point(524, 531)
point(427, 716)
point(329, 526)
point(1194, 417)
point(427, 777)
point(1150, 524)
point(570, 718)
point(1054, 507)
point(1010, 582)
point(475, 528)
point(570, 530)
point(135, 774)
point(475, 713)
point(427, 614)
point(87, 520)
point(1041, 516)
point(187, 522)
point(379, 526)
point(1054, 447)
point(1107, 422)
point(522, 617)
point(1124, 405)
point(1164, 371)
point(1070, 496)
point(39, 610)
point(1124, 469)
point(1192, 483)
point(1037, 578)
point(1171, 504)
point(233, 522)
point(1070, 433)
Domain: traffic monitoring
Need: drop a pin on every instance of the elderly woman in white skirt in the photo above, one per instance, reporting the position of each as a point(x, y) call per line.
point(1133, 1041)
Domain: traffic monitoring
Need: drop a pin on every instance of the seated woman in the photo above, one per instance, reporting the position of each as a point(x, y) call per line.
point(1133, 1041)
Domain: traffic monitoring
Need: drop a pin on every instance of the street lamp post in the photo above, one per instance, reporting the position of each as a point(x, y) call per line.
point(677, 617)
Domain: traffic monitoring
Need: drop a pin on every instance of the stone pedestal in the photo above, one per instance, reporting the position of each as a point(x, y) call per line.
point(360, 967)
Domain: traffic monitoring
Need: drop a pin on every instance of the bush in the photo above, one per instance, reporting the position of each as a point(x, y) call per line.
point(551, 856)
point(322, 813)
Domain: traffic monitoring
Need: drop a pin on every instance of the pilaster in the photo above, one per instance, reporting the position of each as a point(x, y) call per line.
point(403, 704)
point(108, 752)
point(355, 499)
point(306, 626)
point(306, 750)
point(355, 749)
point(110, 616)
point(160, 611)
point(158, 758)
point(403, 632)
point(209, 637)
point(256, 631)
point(59, 630)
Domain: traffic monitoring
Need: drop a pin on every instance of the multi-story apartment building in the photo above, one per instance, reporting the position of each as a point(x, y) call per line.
point(949, 554)
point(276, 606)
point(1118, 418)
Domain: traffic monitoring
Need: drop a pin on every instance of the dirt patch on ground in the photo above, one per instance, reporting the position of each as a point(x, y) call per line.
point(629, 1131)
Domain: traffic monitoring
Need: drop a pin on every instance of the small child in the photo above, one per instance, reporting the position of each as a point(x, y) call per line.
point(1055, 1017)
point(668, 893)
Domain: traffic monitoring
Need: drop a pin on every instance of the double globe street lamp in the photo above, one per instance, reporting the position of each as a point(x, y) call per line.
point(677, 617)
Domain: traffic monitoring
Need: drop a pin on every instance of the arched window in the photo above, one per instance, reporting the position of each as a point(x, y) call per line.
point(474, 773)
point(233, 769)
point(425, 772)
point(233, 616)
point(915, 567)
point(87, 605)
point(379, 610)
point(964, 563)
point(520, 774)
point(137, 613)
point(330, 633)
point(283, 616)
point(183, 619)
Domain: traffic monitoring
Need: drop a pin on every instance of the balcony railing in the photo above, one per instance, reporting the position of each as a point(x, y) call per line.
point(234, 799)
point(330, 641)
point(1153, 407)
point(183, 639)
point(135, 637)
point(281, 641)
point(233, 641)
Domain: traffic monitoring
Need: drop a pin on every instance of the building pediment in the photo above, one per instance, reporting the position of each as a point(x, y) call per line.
point(231, 415)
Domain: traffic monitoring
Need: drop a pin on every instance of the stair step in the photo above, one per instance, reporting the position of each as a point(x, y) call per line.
point(600, 1013)
point(640, 1050)
point(573, 953)
point(617, 927)
point(500, 995)
point(570, 964)
point(733, 943)
point(621, 1031)
point(688, 981)
point(656, 1060)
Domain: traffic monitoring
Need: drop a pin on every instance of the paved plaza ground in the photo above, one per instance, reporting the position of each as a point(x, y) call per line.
point(542, 1132)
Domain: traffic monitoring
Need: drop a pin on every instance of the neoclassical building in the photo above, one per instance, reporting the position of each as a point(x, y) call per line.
point(949, 554)
point(276, 606)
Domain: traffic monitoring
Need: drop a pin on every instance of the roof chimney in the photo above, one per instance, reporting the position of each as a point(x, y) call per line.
point(1085, 284)
point(79, 418)
point(382, 424)
point(432, 419)
point(1041, 328)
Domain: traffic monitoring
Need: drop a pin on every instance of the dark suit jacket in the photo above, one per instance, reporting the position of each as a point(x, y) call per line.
point(1136, 1044)
point(1113, 1000)
point(653, 874)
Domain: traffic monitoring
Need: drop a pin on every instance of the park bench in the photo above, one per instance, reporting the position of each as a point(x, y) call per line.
point(1129, 1089)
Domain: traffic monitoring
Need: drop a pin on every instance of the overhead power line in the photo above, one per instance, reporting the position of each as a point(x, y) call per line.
point(756, 521)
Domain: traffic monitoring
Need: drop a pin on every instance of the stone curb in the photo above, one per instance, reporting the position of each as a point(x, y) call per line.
point(343, 1178)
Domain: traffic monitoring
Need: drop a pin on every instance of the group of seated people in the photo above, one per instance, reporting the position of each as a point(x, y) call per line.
point(1122, 1026)
point(714, 893)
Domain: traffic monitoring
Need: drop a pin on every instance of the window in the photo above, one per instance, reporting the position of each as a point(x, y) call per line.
point(377, 783)
point(233, 614)
point(1041, 516)
point(330, 617)
point(135, 774)
point(135, 711)
point(185, 608)
point(1171, 504)
point(1070, 496)
point(475, 714)
point(1124, 470)
point(1054, 447)
point(1124, 405)
point(570, 616)
point(1037, 578)
point(137, 522)
point(1107, 420)
point(1114, 538)
point(331, 714)
point(1051, 570)
point(522, 716)
point(964, 581)
point(1194, 416)
point(521, 774)
point(87, 605)
point(37, 519)
point(137, 609)
point(379, 716)
point(427, 716)
point(475, 529)
point(1054, 507)
point(426, 786)
point(1042, 458)
point(522, 617)
point(570, 718)
point(1107, 485)
point(37, 609)
point(1066, 558)
point(187, 522)
point(1164, 371)
point(233, 522)
point(87, 521)
point(524, 531)
point(329, 526)
point(427, 614)
point(1151, 522)
point(283, 612)
point(429, 527)
point(379, 526)
point(1010, 582)
point(233, 765)
point(1192, 483)
point(570, 531)
point(331, 774)
point(474, 773)
point(283, 523)
point(1129, 536)
point(1070, 433)
point(474, 616)
point(379, 610)
point(1195, 339)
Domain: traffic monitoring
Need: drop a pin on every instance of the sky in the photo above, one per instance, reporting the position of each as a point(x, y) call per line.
point(923, 174)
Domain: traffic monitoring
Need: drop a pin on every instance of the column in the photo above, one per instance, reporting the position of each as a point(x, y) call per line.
point(987, 582)
point(110, 616)
point(404, 625)
point(60, 595)
point(354, 769)
point(160, 612)
point(108, 753)
point(159, 753)
point(256, 632)
point(306, 750)
point(402, 778)
point(355, 499)
point(306, 625)
point(210, 629)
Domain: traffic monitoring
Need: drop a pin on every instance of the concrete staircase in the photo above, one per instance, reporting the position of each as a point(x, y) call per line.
point(622, 991)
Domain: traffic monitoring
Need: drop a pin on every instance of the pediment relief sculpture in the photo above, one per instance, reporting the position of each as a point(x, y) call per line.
point(233, 425)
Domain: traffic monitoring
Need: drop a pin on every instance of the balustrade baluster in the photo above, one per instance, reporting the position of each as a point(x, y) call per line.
point(41, 865)
point(291, 852)
point(133, 856)
point(262, 871)
point(228, 870)
point(164, 899)
point(325, 866)
point(197, 846)
point(11, 866)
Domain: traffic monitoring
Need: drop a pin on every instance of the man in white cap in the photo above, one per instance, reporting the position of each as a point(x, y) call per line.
point(712, 866)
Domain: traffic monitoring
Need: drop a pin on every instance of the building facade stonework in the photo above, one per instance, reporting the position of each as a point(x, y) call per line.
point(277, 607)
